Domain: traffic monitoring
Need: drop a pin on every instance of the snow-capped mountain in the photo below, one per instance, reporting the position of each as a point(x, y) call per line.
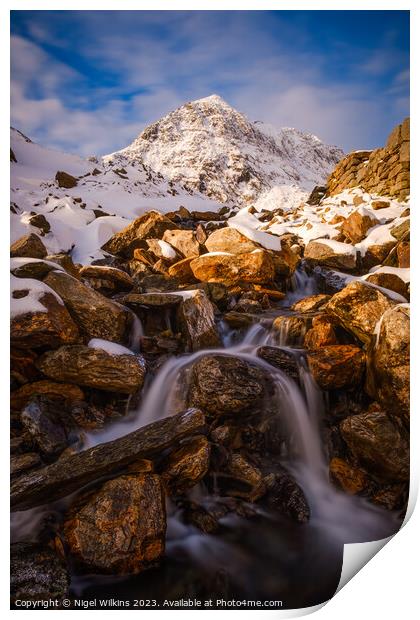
point(208, 146)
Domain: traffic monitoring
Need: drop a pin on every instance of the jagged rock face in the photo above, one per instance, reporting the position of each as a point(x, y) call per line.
point(208, 146)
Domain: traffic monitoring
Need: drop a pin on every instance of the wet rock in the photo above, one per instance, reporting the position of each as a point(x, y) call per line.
point(291, 329)
point(44, 426)
point(377, 444)
point(337, 366)
point(37, 573)
point(75, 471)
point(257, 267)
point(182, 271)
point(204, 517)
point(357, 225)
point(184, 241)
point(63, 391)
point(348, 478)
point(358, 308)
point(36, 328)
point(285, 262)
point(240, 478)
point(23, 462)
point(390, 281)
point(65, 180)
point(285, 496)
point(152, 300)
point(230, 240)
point(239, 320)
point(331, 254)
point(389, 363)
point(226, 385)
point(311, 303)
point(97, 316)
point(186, 466)
point(116, 279)
point(151, 225)
point(94, 368)
point(121, 528)
point(195, 318)
point(30, 246)
point(280, 359)
point(321, 334)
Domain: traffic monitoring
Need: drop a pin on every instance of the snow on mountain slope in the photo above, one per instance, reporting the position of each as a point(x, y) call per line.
point(208, 146)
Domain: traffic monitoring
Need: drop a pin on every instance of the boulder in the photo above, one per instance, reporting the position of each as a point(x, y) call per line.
point(376, 254)
point(23, 462)
point(331, 254)
point(358, 307)
point(65, 180)
point(96, 316)
point(186, 466)
point(40, 221)
point(337, 366)
point(182, 271)
point(357, 225)
point(226, 385)
point(240, 478)
point(403, 254)
point(184, 241)
point(377, 444)
point(30, 246)
point(281, 359)
point(66, 262)
point(44, 426)
point(94, 368)
point(36, 573)
point(151, 225)
point(390, 281)
point(291, 329)
point(30, 268)
point(379, 204)
point(316, 195)
point(285, 496)
point(348, 478)
point(389, 363)
point(230, 240)
point(256, 267)
point(195, 319)
point(311, 303)
point(151, 300)
point(285, 261)
point(63, 391)
point(113, 278)
point(119, 529)
point(162, 250)
point(321, 334)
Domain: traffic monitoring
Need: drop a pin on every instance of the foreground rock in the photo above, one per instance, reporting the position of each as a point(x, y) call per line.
point(389, 363)
point(184, 241)
point(195, 318)
point(286, 496)
point(186, 466)
point(348, 478)
point(36, 573)
point(120, 529)
point(151, 225)
point(280, 359)
point(337, 366)
point(94, 368)
point(230, 240)
point(75, 471)
point(97, 316)
point(377, 444)
point(311, 303)
point(357, 225)
point(29, 246)
point(256, 267)
point(225, 385)
point(358, 308)
point(331, 254)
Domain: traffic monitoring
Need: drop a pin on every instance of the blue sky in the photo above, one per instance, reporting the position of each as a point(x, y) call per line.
point(89, 81)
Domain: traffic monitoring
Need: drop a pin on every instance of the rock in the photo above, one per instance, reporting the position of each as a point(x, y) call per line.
point(65, 180)
point(358, 308)
point(281, 359)
point(239, 320)
point(337, 366)
point(29, 246)
point(22, 462)
point(66, 262)
point(311, 303)
point(37, 573)
point(97, 316)
point(230, 240)
point(94, 368)
point(45, 428)
point(195, 318)
point(22, 366)
point(321, 334)
point(151, 225)
point(182, 271)
point(376, 254)
point(144, 257)
point(291, 329)
point(401, 231)
point(357, 225)
point(285, 496)
point(36, 328)
point(377, 444)
point(64, 391)
point(35, 269)
point(240, 478)
point(331, 254)
point(118, 279)
point(403, 254)
point(285, 262)
point(389, 363)
point(75, 471)
point(226, 385)
point(390, 281)
point(152, 300)
point(379, 204)
point(257, 267)
point(162, 250)
point(350, 479)
point(316, 195)
point(184, 241)
point(186, 466)
point(121, 527)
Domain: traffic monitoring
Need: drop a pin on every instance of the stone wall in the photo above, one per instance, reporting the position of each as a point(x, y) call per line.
point(384, 171)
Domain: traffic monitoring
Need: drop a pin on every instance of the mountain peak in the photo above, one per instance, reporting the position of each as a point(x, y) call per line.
point(213, 100)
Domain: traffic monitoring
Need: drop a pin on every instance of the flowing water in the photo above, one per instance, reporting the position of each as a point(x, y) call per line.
point(268, 557)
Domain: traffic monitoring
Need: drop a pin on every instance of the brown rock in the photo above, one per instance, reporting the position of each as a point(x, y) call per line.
point(35, 269)
point(390, 281)
point(321, 334)
point(152, 300)
point(337, 366)
point(65, 261)
point(311, 303)
point(230, 240)
point(376, 254)
point(143, 257)
point(186, 466)
point(195, 318)
point(182, 271)
point(377, 444)
point(184, 241)
point(30, 246)
point(159, 252)
point(403, 254)
point(320, 253)
point(95, 368)
point(65, 180)
point(97, 316)
point(256, 267)
point(151, 225)
point(37, 573)
point(121, 527)
point(350, 479)
point(379, 204)
point(241, 479)
point(120, 279)
point(281, 359)
point(66, 391)
point(357, 225)
point(291, 329)
point(285, 261)
point(24, 462)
